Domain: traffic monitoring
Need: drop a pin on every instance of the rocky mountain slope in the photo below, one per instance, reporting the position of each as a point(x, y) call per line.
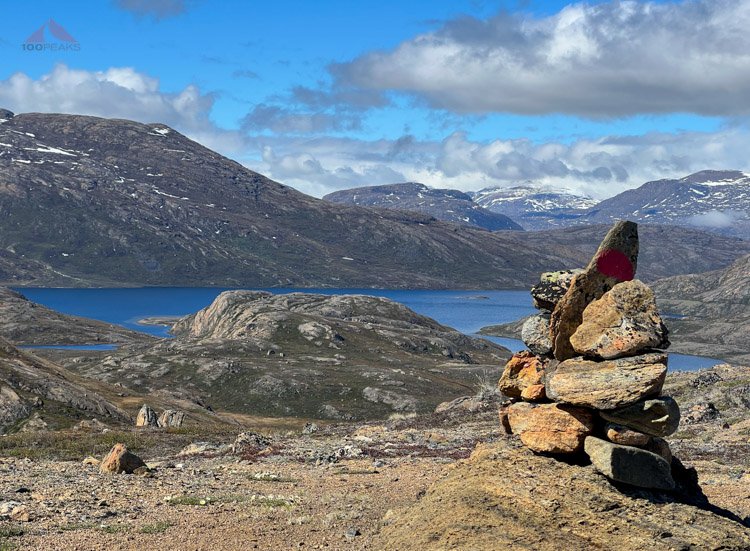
point(338, 357)
point(444, 204)
point(34, 387)
point(534, 207)
point(85, 200)
point(711, 310)
point(718, 200)
point(90, 201)
point(23, 322)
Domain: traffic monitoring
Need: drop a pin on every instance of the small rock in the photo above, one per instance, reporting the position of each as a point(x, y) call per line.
point(309, 428)
point(657, 416)
point(352, 533)
point(120, 460)
point(608, 384)
point(522, 370)
point(146, 417)
point(20, 513)
point(551, 288)
point(624, 322)
point(625, 436)
point(533, 393)
point(504, 422)
point(629, 465)
point(197, 448)
point(551, 428)
point(247, 441)
point(535, 334)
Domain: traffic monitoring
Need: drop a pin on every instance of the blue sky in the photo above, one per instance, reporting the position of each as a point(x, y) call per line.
point(594, 96)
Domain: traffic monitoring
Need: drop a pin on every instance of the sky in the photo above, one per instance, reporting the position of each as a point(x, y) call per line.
point(595, 96)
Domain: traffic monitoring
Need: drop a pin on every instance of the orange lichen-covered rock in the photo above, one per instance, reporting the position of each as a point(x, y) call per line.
point(551, 428)
point(524, 369)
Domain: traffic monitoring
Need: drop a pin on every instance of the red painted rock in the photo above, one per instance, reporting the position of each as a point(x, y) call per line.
point(614, 262)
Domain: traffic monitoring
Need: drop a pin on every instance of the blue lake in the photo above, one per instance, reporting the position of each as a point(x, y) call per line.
point(467, 311)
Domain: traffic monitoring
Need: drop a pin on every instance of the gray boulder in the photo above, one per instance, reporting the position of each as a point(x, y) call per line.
point(657, 416)
point(629, 465)
point(535, 334)
point(171, 418)
point(146, 417)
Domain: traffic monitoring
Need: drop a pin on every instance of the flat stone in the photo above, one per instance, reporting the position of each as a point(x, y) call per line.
point(535, 334)
point(551, 428)
point(608, 384)
point(624, 322)
point(657, 416)
point(625, 436)
point(629, 465)
point(120, 460)
point(614, 262)
point(524, 369)
point(551, 288)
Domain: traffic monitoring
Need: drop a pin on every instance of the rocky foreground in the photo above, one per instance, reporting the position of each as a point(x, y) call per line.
point(412, 483)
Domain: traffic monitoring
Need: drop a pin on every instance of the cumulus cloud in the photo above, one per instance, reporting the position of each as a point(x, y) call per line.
point(158, 9)
point(593, 60)
point(119, 92)
point(598, 167)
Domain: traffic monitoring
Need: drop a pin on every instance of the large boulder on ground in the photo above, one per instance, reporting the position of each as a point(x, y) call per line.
point(551, 428)
point(629, 465)
point(511, 498)
point(614, 262)
point(120, 460)
point(624, 322)
point(146, 417)
point(607, 384)
point(657, 416)
point(535, 334)
point(524, 369)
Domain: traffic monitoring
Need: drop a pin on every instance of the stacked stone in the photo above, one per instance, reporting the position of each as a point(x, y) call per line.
point(591, 380)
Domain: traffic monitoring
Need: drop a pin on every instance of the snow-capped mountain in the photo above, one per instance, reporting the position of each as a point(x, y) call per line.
point(534, 207)
point(444, 204)
point(716, 200)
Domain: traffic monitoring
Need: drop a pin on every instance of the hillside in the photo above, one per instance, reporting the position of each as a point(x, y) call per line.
point(88, 201)
point(303, 355)
point(717, 200)
point(449, 205)
point(712, 310)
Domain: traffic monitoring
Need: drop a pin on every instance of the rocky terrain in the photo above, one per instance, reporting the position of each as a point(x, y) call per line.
point(444, 204)
point(711, 311)
point(88, 201)
point(371, 485)
point(336, 357)
point(535, 207)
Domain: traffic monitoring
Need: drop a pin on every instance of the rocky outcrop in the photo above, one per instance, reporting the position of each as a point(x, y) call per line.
point(12, 407)
point(120, 460)
point(510, 498)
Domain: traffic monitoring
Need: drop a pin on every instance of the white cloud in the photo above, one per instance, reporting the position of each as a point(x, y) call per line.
point(717, 218)
point(598, 167)
point(593, 60)
point(118, 92)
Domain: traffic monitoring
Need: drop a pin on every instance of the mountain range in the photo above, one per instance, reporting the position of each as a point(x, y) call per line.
point(444, 204)
point(87, 201)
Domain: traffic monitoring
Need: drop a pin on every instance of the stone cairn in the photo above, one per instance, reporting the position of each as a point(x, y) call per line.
point(591, 380)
